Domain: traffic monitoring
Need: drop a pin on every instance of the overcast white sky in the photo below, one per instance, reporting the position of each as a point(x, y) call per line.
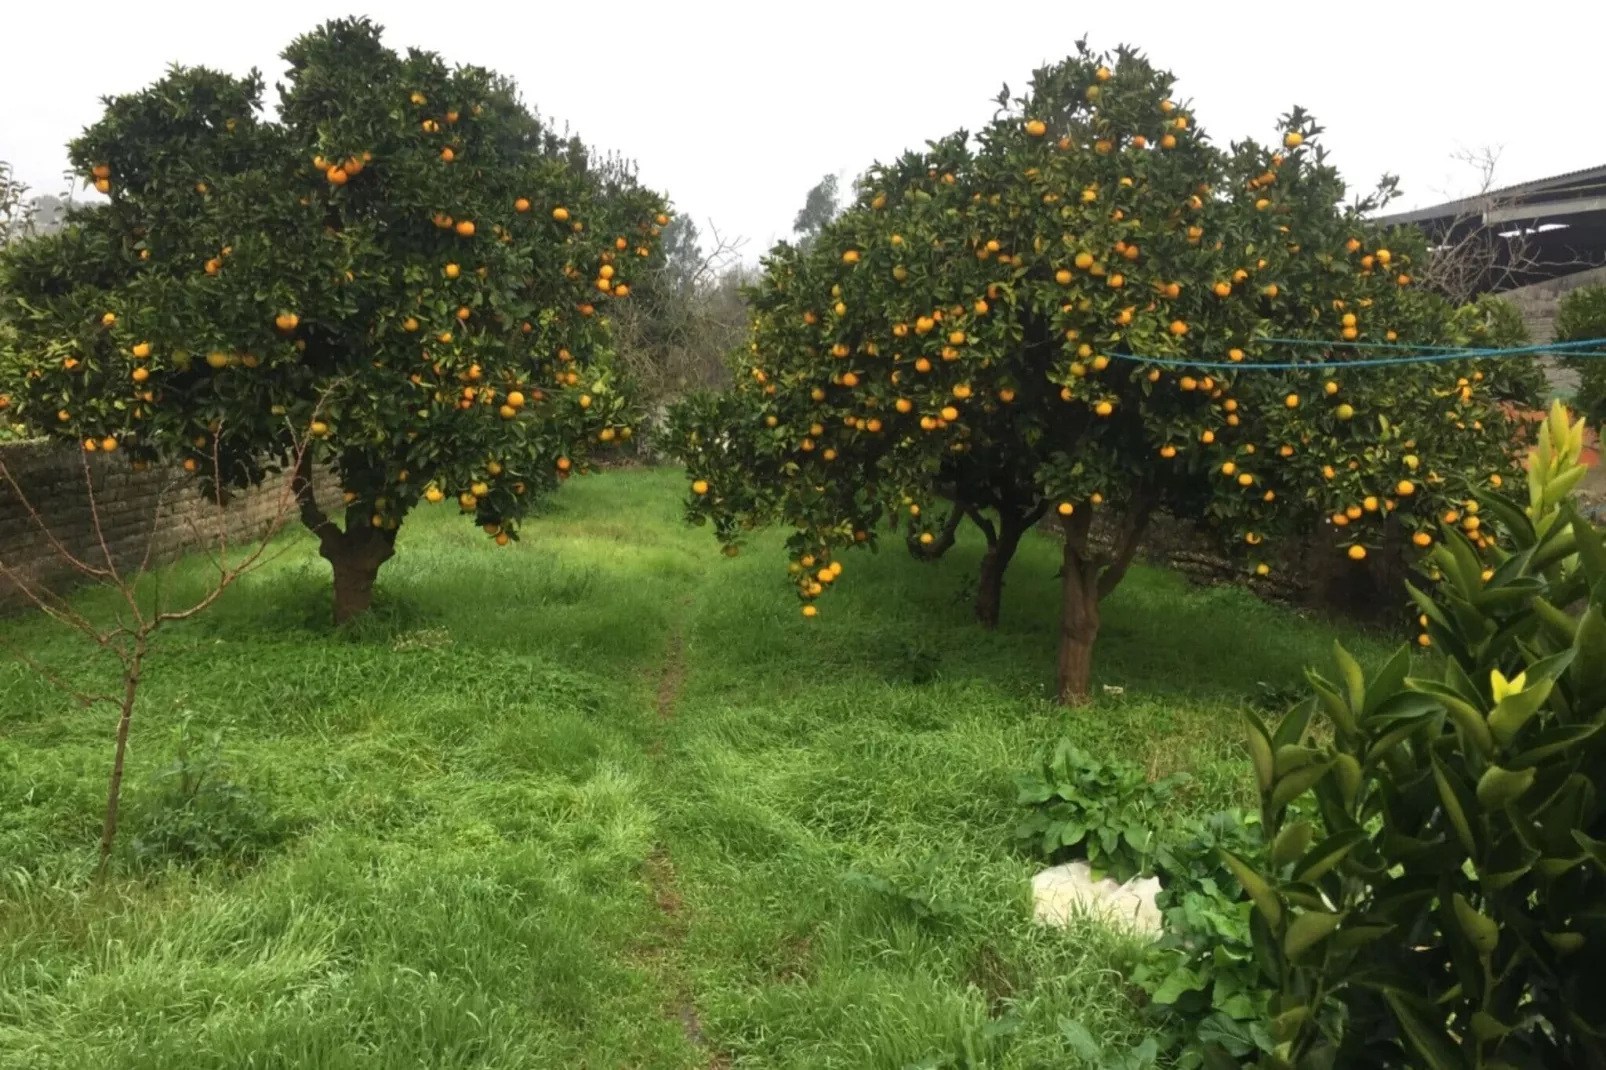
point(736, 109)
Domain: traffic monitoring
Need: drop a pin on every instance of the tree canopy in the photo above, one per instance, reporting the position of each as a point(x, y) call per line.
point(1088, 307)
point(404, 264)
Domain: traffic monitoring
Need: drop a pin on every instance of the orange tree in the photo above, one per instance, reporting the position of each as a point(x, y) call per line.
point(1088, 308)
point(404, 264)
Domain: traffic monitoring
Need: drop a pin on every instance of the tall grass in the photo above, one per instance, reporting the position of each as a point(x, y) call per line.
point(499, 844)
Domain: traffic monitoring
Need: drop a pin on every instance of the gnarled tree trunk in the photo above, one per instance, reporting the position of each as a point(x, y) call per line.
point(355, 558)
point(1001, 547)
point(1085, 579)
point(354, 554)
point(1079, 626)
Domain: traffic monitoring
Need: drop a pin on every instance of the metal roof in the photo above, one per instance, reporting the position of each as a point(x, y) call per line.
point(1555, 192)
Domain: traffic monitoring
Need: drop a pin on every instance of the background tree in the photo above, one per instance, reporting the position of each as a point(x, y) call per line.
point(1067, 312)
point(819, 208)
point(405, 244)
point(684, 316)
point(1581, 317)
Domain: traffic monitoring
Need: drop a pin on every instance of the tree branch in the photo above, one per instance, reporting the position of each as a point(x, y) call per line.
point(1126, 542)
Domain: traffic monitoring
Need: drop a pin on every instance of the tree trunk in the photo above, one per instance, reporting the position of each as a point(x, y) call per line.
point(114, 793)
point(355, 557)
point(1000, 551)
point(354, 554)
point(1079, 627)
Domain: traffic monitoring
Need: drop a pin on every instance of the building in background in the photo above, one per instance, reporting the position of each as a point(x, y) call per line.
point(1531, 243)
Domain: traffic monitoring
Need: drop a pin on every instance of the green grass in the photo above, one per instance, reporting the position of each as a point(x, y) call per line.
point(591, 802)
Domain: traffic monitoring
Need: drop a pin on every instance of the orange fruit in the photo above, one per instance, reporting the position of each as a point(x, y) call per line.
point(560, 213)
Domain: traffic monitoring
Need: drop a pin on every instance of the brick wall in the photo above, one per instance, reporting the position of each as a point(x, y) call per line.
point(161, 509)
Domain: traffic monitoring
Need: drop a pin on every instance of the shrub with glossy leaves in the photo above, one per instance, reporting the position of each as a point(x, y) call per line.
point(403, 264)
point(1435, 889)
point(1071, 312)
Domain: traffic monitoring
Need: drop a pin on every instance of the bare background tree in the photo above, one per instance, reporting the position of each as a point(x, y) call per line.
point(124, 627)
point(685, 317)
point(1480, 249)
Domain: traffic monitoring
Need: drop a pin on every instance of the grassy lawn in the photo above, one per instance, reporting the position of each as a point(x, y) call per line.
point(594, 801)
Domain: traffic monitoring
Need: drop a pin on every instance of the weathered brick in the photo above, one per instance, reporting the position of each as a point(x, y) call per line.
point(162, 507)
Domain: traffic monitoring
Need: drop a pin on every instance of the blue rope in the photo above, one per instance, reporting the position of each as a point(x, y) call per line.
point(1371, 362)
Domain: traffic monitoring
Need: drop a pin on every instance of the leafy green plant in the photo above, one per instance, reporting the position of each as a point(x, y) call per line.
point(1142, 1056)
point(917, 889)
point(1580, 317)
point(1436, 877)
point(196, 813)
point(1204, 988)
point(1491, 322)
point(1085, 807)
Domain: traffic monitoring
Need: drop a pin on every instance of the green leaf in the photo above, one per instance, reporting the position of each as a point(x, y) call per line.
point(1508, 862)
point(1259, 741)
point(1308, 929)
point(1559, 624)
point(1182, 979)
point(1335, 707)
point(1550, 742)
point(1429, 1040)
point(1498, 788)
point(1511, 518)
point(1354, 679)
point(1467, 718)
point(1081, 1041)
point(1565, 943)
point(1291, 842)
point(1221, 1029)
point(1291, 729)
point(1450, 793)
point(1587, 544)
point(1327, 854)
point(1260, 892)
point(1388, 681)
point(1486, 1027)
point(1353, 936)
point(1514, 711)
point(1588, 669)
point(1481, 930)
point(1595, 849)
point(1297, 783)
point(1290, 758)
point(1347, 771)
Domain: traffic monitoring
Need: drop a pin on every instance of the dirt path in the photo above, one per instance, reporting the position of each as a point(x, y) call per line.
point(661, 875)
